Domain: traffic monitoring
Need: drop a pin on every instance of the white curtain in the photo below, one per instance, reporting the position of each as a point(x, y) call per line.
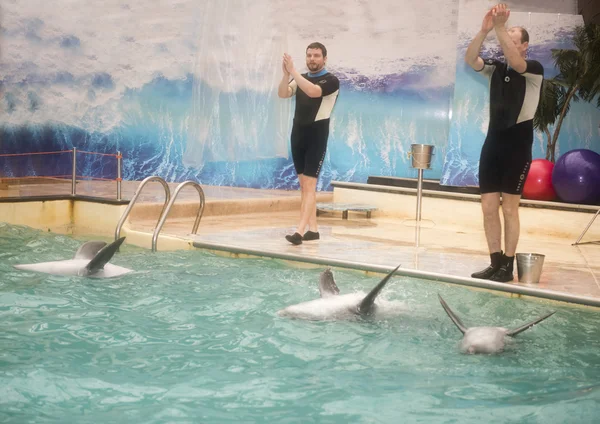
point(236, 114)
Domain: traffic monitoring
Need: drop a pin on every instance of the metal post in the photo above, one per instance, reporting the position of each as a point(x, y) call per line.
point(417, 238)
point(119, 166)
point(74, 174)
point(419, 194)
point(421, 159)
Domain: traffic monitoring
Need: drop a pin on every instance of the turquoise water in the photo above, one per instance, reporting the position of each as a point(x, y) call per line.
point(194, 337)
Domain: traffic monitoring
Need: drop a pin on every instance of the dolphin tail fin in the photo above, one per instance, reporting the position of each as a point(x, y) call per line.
point(455, 319)
point(327, 286)
point(529, 324)
point(89, 249)
point(366, 306)
point(103, 256)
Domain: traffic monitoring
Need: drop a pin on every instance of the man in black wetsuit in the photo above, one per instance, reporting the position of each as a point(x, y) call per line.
point(506, 154)
point(316, 93)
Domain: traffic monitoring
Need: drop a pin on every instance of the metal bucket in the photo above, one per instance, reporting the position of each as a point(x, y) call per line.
point(421, 155)
point(529, 267)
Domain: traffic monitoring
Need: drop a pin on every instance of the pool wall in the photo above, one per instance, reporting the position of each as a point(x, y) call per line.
point(82, 217)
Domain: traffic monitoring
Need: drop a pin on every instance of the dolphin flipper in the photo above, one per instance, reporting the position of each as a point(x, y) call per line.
point(455, 319)
point(103, 256)
point(529, 325)
point(366, 306)
point(327, 286)
point(89, 249)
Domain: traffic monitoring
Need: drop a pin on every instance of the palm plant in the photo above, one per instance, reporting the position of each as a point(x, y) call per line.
point(578, 79)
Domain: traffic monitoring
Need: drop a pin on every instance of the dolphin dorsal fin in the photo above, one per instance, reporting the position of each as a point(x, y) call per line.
point(103, 256)
point(89, 249)
point(529, 324)
point(327, 286)
point(366, 306)
point(455, 319)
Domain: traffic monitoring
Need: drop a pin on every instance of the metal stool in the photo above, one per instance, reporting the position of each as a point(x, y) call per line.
point(587, 228)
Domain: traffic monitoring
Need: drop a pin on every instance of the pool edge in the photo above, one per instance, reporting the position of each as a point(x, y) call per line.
point(512, 289)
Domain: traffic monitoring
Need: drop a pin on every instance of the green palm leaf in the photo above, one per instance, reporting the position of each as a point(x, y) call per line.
point(578, 79)
point(548, 107)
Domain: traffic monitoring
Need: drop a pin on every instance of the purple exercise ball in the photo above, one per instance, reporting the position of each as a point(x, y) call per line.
point(576, 176)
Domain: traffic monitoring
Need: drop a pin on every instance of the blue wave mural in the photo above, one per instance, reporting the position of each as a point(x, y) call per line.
point(132, 78)
point(371, 134)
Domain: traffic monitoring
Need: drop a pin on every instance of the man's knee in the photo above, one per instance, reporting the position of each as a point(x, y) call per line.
point(489, 210)
point(510, 210)
point(490, 204)
point(510, 205)
point(309, 184)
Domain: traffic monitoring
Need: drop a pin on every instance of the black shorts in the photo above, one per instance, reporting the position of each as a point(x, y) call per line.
point(309, 144)
point(505, 159)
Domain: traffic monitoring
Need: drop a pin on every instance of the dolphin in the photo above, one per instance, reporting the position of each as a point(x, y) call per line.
point(332, 305)
point(91, 260)
point(486, 339)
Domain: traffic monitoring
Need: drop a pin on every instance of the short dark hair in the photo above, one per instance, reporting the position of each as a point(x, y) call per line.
point(317, 45)
point(524, 35)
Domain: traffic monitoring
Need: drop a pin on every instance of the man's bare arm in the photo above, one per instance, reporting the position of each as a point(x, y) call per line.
point(472, 55)
point(284, 90)
point(513, 57)
point(311, 90)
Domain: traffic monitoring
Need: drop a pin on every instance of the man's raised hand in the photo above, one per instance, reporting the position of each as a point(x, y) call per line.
point(500, 14)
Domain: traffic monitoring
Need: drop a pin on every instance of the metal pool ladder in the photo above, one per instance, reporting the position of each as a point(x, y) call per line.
point(169, 201)
point(165, 213)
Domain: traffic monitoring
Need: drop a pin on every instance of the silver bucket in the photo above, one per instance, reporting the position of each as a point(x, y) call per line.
point(421, 155)
point(529, 267)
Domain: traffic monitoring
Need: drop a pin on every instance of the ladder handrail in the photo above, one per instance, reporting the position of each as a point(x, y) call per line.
point(135, 197)
point(166, 211)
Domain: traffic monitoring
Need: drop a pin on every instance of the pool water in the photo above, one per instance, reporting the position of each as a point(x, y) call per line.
point(195, 337)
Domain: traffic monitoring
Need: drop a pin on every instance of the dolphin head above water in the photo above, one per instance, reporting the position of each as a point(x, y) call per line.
point(91, 260)
point(333, 306)
point(486, 339)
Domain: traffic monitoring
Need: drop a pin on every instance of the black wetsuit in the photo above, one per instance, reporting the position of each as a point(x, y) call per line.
point(311, 123)
point(506, 154)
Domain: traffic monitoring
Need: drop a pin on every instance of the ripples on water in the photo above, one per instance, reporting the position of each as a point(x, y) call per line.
point(194, 337)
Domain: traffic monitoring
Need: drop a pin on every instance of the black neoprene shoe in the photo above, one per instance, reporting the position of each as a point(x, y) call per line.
point(487, 273)
point(311, 235)
point(295, 238)
point(496, 262)
point(503, 275)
